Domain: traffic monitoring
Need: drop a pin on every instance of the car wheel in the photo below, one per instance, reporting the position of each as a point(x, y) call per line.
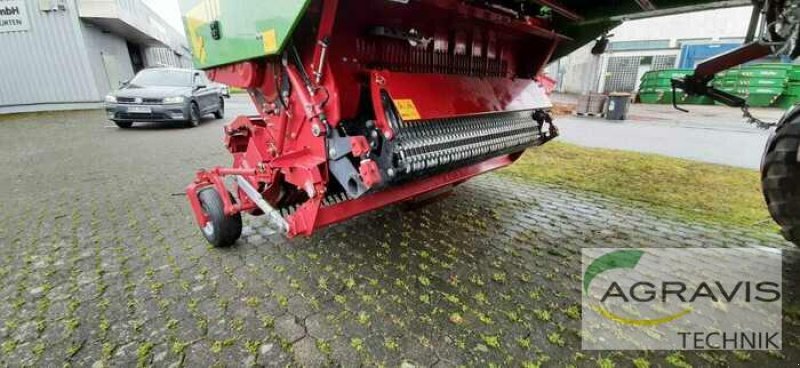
point(194, 116)
point(124, 124)
point(220, 114)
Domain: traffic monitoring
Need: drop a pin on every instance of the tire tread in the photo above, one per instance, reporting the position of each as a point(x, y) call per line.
point(227, 229)
point(780, 178)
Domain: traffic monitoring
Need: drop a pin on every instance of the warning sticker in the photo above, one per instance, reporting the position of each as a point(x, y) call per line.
point(270, 39)
point(407, 109)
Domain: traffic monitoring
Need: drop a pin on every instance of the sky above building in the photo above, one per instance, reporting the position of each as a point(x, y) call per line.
point(169, 10)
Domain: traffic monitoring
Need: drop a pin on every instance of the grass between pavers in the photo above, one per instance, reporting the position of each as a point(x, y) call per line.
point(692, 190)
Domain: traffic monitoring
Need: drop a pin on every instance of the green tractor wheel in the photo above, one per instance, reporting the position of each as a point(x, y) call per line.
point(780, 175)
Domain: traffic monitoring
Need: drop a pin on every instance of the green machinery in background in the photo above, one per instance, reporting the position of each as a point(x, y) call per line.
point(656, 88)
point(763, 85)
point(791, 92)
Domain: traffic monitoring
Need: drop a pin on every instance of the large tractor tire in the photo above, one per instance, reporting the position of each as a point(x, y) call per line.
point(780, 175)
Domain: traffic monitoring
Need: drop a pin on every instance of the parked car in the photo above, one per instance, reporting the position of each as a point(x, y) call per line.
point(165, 95)
point(224, 89)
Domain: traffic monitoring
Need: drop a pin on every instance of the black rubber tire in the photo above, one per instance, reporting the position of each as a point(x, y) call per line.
point(224, 230)
point(124, 124)
point(194, 116)
point(220, 114)
point(780, 177)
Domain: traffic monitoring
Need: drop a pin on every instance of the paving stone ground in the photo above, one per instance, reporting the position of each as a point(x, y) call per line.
point(102, 266)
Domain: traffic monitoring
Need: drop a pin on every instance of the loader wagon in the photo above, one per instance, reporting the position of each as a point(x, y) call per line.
point(366, 103)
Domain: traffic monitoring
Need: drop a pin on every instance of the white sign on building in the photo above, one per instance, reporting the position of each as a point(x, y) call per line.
point(13, 16)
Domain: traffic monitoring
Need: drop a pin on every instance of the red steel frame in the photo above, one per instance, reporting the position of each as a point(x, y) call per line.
point(749, 52)
point(287, 144)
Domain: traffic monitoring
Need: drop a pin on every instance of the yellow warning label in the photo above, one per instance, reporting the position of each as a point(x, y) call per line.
point(407, 109)
point(270, 39)
point(205, 12)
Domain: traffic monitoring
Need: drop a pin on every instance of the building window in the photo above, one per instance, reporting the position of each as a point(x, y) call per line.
point(621, 73)
point(639, 45)
point(663, 62)
point(624, 71)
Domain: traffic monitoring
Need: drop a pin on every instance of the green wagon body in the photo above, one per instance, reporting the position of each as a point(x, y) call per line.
point(247, 29)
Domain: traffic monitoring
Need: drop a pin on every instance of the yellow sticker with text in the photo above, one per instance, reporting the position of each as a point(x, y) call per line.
point(407, 109)
point(205, 12)
point(270, 39)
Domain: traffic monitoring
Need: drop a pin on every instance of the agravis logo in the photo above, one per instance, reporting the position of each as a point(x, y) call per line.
point(621, 259)
point(688, 299)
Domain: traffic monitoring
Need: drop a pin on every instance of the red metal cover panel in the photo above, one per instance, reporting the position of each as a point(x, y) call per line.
point(432, 96)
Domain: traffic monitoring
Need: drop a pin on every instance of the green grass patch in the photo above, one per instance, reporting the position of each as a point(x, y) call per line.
point(693, 190)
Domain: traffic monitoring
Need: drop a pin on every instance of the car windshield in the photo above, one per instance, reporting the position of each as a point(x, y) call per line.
point(163, 78)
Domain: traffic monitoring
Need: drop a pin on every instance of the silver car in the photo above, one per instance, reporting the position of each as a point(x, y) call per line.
point(165, 95)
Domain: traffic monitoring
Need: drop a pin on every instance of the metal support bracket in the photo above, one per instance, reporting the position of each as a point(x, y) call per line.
point(342, 169)
point(274, 215)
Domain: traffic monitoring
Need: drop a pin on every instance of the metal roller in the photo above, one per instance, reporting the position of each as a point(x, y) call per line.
point(428, 145)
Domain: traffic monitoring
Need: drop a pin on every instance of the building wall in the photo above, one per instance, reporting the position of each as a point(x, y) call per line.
point(162, 56)
point(711, 24)
point(581, 72)
point(46, 64)
point(109, 58)
point(136, 14)
point(65, 61)
point(578, 72)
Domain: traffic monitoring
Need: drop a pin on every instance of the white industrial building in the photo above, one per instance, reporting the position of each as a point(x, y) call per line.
point(637, 46)
point(68, 54)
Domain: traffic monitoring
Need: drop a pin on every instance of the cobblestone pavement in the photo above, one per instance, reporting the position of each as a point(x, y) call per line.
point(102, 266)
